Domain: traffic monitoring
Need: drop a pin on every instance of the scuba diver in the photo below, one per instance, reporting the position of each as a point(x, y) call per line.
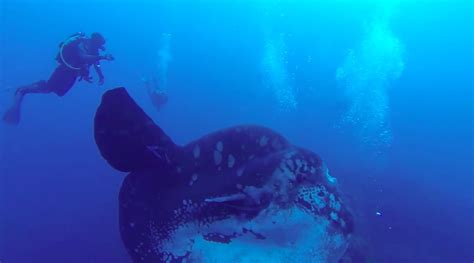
point(75, 56)
point(158, 95)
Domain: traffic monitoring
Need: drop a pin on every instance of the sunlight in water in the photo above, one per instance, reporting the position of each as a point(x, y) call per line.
point(365, 77)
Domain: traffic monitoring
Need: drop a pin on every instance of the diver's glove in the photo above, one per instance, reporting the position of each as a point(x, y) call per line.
point(86, 78)
point(107, 57)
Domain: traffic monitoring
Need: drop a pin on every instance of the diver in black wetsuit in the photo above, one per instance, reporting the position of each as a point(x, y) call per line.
point(75, 57)
point(157, 94)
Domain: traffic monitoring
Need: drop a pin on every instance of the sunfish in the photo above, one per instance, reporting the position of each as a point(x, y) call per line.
point(241, 194)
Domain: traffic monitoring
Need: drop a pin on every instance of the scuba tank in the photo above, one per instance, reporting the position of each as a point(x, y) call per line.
point(66, 54)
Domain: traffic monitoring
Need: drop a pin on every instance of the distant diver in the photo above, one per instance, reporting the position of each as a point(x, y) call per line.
point(156, 85)
point(75, 56)
point(157, 94)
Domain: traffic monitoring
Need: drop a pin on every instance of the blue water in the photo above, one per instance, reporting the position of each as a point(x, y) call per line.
point(381, 90)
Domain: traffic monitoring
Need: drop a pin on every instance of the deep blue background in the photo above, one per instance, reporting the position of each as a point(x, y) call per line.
point(59, 197)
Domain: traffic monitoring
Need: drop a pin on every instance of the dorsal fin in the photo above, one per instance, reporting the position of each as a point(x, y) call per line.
point(127, 138)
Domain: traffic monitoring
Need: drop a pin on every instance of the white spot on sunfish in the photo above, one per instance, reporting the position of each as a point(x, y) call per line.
point(219, 146)
point(263, 141)
point(290, 164)
point(343, 223)
point(333, 203)
point(332, 180)
point(132, 224)
point(334, 216)
point(196, 151)
point(276, 144)
point(298, 164)
point(230, 161)
point(240, 172)
point(289, 154)
point(217, 157)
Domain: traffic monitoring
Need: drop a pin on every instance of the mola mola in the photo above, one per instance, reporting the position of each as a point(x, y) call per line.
point(242, 194)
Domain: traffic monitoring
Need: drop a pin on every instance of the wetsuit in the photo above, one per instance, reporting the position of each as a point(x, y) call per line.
point(80, 58)
point(75, 58)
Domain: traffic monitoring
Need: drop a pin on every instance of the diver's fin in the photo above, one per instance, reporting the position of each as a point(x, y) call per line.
point(127, 138)
point(12, 115)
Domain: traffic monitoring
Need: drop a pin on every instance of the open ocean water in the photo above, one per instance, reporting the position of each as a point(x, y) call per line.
point(382, 90)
